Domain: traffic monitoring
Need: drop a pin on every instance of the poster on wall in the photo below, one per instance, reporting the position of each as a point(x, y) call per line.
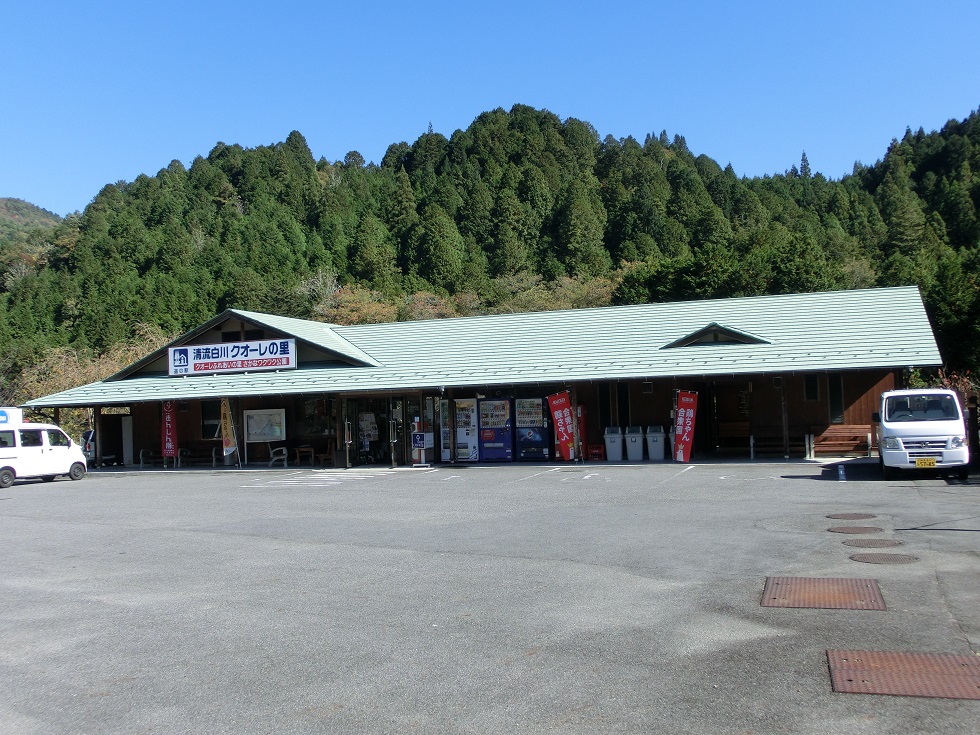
point(367, 423)
point(684, 417)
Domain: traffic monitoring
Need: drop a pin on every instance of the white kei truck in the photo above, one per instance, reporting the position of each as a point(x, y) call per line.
point(36, 450)
point(922, 429)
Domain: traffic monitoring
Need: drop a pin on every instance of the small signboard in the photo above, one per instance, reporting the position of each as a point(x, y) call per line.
point(232, 357)
point(11, 415)
point(418, 440)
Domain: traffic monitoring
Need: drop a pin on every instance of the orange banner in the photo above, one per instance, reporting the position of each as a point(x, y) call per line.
point(229, 441)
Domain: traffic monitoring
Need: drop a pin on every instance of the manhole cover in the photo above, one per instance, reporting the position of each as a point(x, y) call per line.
point(854, 529)
point(905, 674)
point(822, 592)
point(884, 558)
point(872, 543)
point(851, 516)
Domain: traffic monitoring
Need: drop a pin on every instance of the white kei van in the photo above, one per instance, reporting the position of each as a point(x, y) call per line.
point(38, 450)
point(922, 429)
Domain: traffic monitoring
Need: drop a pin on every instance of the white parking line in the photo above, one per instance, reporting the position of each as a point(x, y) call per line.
point(314, 478)
point(531, 477)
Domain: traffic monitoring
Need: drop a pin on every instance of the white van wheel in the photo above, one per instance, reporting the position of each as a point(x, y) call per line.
point(77, 471)
point(6, 477)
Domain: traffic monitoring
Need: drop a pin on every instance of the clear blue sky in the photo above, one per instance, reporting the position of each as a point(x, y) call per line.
point(95, 93)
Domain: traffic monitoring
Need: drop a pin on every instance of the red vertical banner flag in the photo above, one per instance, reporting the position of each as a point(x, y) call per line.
point(561, 412)
point(168, 431)
point(684, 415)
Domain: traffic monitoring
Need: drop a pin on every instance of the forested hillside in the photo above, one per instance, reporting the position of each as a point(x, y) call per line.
point(25, 234)
point(521, 211)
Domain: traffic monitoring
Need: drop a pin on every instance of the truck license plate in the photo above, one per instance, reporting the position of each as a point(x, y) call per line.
point(925, 462)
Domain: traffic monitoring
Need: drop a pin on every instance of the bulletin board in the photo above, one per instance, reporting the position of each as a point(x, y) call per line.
point(264, 425)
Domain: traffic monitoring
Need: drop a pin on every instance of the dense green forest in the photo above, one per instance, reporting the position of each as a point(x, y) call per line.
point(521, 211)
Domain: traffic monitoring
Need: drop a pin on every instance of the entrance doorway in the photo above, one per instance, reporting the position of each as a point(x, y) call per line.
point(379, 431)
point(421, 415)
point(369, 431)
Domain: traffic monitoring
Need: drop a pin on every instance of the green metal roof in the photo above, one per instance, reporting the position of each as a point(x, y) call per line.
point(316, 334)
point(839, 330)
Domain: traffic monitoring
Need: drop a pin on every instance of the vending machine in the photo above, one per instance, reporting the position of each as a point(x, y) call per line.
point(533, 435)
point(467, 449)
point(496, 430)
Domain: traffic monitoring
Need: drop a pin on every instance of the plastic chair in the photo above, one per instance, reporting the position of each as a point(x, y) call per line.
point(277, 454)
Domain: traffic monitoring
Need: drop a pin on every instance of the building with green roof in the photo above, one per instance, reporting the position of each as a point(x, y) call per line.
point(770, 371)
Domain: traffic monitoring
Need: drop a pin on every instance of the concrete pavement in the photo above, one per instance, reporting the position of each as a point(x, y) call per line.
point(526, 598)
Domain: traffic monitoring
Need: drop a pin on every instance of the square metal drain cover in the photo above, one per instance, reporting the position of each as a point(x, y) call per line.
point(826, 593)
point(872, 543)
point(905, 674)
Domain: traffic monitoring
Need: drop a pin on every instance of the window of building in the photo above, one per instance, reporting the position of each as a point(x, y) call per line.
point(811, 388)
point(835, 398)
point(210, 419)
point(623, 403)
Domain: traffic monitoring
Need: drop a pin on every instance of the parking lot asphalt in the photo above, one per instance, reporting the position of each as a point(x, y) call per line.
point(594, 598)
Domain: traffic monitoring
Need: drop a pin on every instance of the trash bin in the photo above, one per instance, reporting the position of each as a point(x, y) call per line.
point(655, 443)
point(634, 443)
point(614, 444)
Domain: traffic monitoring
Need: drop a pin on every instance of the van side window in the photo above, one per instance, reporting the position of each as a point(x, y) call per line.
point(31, 438)
point(58, 439)
point(6, 438)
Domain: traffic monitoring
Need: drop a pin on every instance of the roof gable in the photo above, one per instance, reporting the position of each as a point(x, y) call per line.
point(319, 339)
point(714, 334)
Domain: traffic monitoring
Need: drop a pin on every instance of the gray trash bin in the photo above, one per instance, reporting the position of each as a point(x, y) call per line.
point(656, 443)
point(634, 443)
point(614, 443)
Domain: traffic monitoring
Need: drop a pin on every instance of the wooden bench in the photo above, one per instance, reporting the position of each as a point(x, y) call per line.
point(153, 456)
point(844, 439)
point(199, 454)
point(733, 433)
point(770, 443)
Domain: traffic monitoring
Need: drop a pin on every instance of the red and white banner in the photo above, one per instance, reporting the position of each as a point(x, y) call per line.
point(168, 431)
point(561, 412)
point(684, 415)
